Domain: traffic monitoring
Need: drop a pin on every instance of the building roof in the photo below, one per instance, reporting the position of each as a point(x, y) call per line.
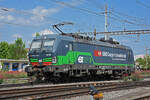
point(12, 60)
point(139, 56)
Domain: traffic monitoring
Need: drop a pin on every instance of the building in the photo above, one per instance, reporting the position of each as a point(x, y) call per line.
point(13, 65)
point(139, 56)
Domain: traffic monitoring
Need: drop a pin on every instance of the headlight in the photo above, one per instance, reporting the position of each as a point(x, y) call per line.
point(54, 60)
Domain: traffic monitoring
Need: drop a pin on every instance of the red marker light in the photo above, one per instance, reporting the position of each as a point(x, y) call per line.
point(47, 63)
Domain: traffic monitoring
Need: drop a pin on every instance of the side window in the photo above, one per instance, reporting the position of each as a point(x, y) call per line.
point(70, 47)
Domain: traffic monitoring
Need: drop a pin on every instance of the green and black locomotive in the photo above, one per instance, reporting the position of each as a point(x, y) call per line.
point(62, 56)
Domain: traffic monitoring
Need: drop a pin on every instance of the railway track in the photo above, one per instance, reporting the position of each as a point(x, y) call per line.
point(34, 91)
point(29, 84)
point(146, 97)
point(34, 83)
point(14, 85)
point(21, 85)
point(60, 91)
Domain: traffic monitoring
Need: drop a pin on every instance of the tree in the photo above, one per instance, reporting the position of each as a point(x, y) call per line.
point(37, 34)
point(17, 50)
point(144, 62)
point(11, 51)
point(148, 62)
point(4, 50)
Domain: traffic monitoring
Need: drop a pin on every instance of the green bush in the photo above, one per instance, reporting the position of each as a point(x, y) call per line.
point(145, 73)
point(1, 81)
point(126, 78)
point(136, 77)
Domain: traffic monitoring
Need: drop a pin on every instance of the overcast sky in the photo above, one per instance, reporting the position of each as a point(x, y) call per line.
point(23, 18)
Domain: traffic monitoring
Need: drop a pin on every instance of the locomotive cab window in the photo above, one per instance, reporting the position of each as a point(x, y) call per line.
point(48, 43)
point(36, 44)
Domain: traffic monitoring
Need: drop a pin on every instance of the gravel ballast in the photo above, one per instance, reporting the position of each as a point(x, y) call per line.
point(128, 94)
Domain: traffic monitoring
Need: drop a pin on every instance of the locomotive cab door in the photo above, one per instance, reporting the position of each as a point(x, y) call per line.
point(129, 57)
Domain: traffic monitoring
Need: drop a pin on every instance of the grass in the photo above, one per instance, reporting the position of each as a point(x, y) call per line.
point(145, 72)
point(137, 76)
point(12, 77)
point(14, 81)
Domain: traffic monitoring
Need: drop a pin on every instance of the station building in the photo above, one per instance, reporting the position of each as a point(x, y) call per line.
point(13, 65)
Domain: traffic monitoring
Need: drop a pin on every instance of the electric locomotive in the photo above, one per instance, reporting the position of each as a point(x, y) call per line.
point(63, 56)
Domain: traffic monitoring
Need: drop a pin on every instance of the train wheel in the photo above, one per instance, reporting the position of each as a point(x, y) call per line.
point(55, 80)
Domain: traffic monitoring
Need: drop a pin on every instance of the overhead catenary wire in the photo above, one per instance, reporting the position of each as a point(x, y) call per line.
point(111, 11)
point(98, 14)
point(77, 8)
point(81, 9)
point(63, 4)
point(115, 17)
point(143, 4)
point(21, 12)
point(26, 13)
point(126, 18)
point(127, 21)
point(116, 12)
point(97, 5)
point(10, 23)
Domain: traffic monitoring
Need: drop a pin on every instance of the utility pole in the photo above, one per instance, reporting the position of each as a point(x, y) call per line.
point(95, 34)
point(146, 48)
point(146, 55)
point(106, 24)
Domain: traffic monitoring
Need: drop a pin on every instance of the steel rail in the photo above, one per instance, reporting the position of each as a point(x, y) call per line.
point(19, 92)
point(102, 89)
point(73, 90)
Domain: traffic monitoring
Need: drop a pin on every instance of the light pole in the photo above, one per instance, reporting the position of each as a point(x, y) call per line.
point(147, 56)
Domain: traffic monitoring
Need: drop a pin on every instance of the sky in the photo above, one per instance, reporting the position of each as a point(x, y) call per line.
point(23, 18)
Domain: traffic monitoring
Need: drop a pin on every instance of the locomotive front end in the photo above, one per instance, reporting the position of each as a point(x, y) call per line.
point(41, 52)
point(41, 55)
